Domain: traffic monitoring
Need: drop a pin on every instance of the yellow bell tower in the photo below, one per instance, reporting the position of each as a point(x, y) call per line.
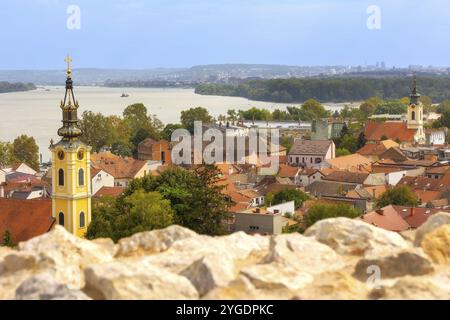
point(415, 114)
point(71, 177)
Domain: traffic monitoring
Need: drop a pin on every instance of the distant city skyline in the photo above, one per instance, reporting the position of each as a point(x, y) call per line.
point(138, 34)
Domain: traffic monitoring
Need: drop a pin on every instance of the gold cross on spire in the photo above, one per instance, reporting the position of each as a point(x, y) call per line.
point(68, 60)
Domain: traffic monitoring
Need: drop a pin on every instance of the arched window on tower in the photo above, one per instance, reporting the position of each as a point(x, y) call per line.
point(82, 220)
point(61, 219)
point(413, 115)
point(81, 177)
point(61, 177)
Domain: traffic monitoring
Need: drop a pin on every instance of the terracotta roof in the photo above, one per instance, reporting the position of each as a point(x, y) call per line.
point(355, 162)
point(424, 183)
point(377, 148)
point(438, 169)
point(347, 176)
point(427, 195)
point(399, 218)
point(25, 219)
point(386, 218)
point(310, 171)
point(94, 171)
point(116, 166)
point(287, 171)
point(110, 191)
point(314, 147)
point(394, 130)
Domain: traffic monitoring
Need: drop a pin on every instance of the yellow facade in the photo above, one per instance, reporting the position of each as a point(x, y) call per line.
point(71, 194)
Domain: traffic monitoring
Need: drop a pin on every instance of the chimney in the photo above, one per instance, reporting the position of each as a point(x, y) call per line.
point(373, 193)
point(413, 211)
point(380, 212)
point(258, 210)
point(2, 191)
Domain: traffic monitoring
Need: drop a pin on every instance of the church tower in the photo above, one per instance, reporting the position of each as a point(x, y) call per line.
point(71, 196)
point(415, 114)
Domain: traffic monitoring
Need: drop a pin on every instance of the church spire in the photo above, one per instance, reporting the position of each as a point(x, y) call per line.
point(415, 96)
point(70, 130)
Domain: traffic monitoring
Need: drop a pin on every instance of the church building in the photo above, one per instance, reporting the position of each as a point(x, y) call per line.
point(71, 196)
point(409, 132)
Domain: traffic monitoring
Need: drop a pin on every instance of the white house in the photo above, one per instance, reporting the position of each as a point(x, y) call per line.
point(100, 179)
point(435, 137)
point(311, 153)
point(283, 208)
point(307, 176)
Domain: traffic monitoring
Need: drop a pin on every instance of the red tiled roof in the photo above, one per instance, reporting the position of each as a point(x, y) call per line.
point(110, 191)
point(347, 176)
point(394, 130)
point(287, 171)
point(25, 219)
point(117, 166)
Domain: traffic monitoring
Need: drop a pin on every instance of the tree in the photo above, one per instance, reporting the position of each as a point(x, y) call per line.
point(26, 150)
point(349, 142)
point(141, 211)
point(340, 152)
point(391, 107)
point(6, 154)
point(166, 134)
point(96, 131)
point(315, 108)
point(142, 125)
point(232, 115)
point(324, 211)
point(7, 240)
point(400, 195)
point(195, 197)
point(188, 117)
point(146, 211)
point(287, 195)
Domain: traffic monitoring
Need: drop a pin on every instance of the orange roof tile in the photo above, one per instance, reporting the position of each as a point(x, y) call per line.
point(394, 130)
point(25, 219)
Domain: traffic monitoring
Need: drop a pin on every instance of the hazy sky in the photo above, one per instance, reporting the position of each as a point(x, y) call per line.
point(182, 33)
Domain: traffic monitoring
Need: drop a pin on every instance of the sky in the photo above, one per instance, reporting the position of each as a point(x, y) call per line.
point(140, 34)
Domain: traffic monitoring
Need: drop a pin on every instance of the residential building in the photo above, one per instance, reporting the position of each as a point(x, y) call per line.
point(373, 150)
point(309, 153)
point(435, 136)
point(352, 162)
point(99, 179)
point(259, 220)
point(399, 218)
point(327, 129)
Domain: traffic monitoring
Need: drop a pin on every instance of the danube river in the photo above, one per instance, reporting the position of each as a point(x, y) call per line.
point(37, 113)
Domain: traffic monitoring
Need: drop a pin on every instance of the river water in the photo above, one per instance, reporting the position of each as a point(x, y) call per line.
point(37, 113)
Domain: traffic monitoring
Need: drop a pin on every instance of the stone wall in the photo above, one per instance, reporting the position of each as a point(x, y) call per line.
point(335, 259)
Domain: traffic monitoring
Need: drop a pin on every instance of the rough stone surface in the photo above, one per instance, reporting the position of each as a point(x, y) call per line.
point(350, 236)
point(433, 222)
point(45, 287)
point(134, 280)
point(436, 244)
point(330, 262)
point(152, 241)
point(402, 263)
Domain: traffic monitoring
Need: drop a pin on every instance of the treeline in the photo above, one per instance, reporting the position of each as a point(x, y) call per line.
point(329, 89)
point(15, 87)
point(149, 84)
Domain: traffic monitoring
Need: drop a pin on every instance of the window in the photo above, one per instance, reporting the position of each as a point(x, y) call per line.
point(61, 177)
point(61, 219)
point(82, 221)
point(413, 115)
point(81, 177)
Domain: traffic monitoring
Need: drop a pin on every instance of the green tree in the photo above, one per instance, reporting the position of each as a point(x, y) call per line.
point(6, 154)
point(26, 150)
point(287, 195)
point(324, 211)
point(166, 134)
point(96, 132)
point(7, 240)
point(340, 152)
point(232, 115)
point(146, 211)
point(196, 199)
point(400, 195)
point(314, 107)
point(142, 125)
point(391, 107)
point(188, 117)
point(349, 142)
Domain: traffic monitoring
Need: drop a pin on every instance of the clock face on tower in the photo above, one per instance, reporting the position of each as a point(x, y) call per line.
point(61, 155)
